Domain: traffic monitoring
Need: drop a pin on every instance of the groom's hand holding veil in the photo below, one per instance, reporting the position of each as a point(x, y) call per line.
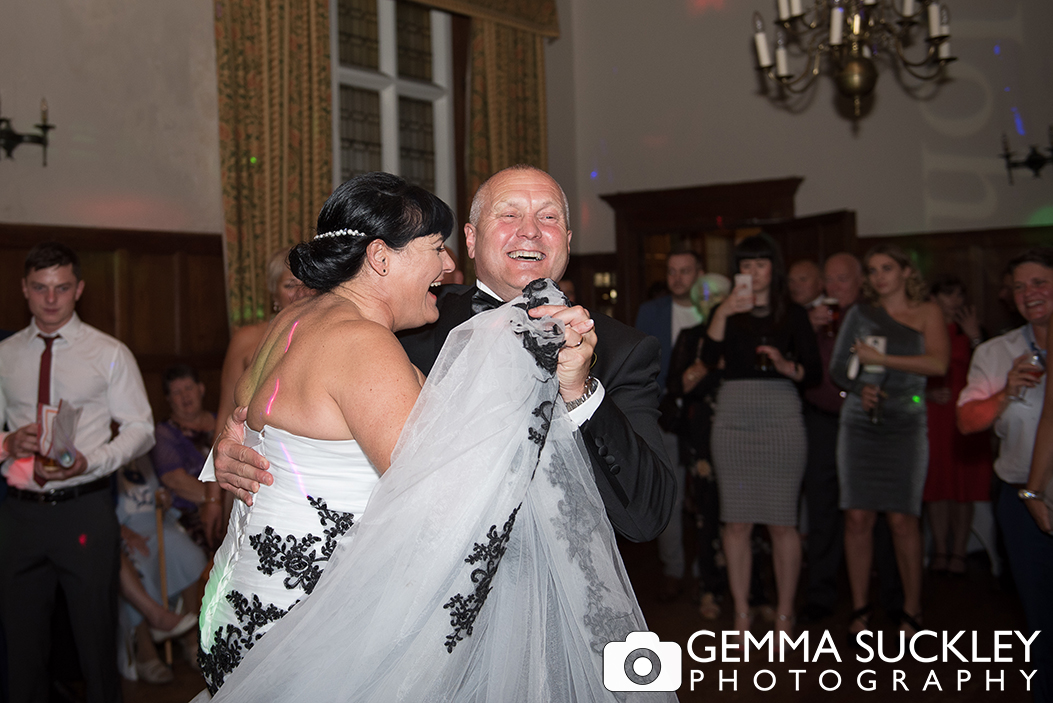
point(575, 358)
point(239, 469)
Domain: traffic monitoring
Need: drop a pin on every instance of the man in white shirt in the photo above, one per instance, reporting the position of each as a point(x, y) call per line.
point(1005, 391)
point(57, 525)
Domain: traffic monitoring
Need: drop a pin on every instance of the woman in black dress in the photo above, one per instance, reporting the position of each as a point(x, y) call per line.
point(758, 443)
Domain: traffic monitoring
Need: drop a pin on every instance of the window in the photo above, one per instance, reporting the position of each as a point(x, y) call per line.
point(392, 83)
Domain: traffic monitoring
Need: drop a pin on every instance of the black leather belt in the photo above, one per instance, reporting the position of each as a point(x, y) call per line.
point(59, 495)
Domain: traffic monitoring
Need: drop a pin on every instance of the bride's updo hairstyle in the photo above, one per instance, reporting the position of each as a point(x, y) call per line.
point(371, 206)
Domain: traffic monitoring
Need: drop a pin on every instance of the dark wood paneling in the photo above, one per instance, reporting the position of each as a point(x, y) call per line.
point(686, 216)
point(161, 293)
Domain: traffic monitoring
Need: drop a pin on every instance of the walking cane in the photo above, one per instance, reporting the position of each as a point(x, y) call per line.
point(159, 511)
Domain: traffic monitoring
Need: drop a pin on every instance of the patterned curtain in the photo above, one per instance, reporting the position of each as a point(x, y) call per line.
point(275, 136)
point(506, 113)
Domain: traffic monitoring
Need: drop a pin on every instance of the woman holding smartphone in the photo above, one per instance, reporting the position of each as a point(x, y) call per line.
point(758, 442)
point(882, 447)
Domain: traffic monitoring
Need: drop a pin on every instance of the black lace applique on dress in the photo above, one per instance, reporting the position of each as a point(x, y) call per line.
point(303, 564)
point(465, 609)
point(230, 643)
point(290, 553)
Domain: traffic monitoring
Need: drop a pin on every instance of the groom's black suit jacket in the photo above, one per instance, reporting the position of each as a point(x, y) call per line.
point(622, 437)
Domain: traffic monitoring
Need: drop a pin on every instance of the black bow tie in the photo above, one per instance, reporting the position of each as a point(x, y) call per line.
point(483, 301)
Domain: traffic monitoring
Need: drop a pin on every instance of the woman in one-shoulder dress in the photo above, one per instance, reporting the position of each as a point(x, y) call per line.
point(882, 448)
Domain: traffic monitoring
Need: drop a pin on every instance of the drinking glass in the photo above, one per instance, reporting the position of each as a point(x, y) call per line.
point(1034, 368)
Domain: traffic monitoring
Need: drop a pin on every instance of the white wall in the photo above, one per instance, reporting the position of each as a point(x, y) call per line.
point(131, 87)
point(665, 94)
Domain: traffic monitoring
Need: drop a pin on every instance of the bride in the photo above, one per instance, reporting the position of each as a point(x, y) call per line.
point(485, 567)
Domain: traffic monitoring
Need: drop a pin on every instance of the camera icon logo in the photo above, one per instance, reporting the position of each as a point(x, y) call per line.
point(642, 663)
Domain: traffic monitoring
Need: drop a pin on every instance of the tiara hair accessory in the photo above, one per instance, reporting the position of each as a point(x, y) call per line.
point(340, 233)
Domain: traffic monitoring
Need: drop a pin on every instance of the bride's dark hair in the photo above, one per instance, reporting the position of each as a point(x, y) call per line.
point(377, 206)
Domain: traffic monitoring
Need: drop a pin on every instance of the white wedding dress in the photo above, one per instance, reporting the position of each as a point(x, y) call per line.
point(485, 568)
point(276, 549)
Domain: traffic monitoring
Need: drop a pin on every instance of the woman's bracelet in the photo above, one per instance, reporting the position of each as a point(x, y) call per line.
point(213, 499)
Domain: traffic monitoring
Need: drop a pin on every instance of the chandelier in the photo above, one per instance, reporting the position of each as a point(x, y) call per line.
point(853, 34)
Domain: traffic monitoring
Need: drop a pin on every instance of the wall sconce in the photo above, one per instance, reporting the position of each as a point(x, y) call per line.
point(1034, 160)
point(10, 139)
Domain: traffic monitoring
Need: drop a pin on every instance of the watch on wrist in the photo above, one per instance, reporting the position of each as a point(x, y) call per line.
point(1025, 494)
point(590, 388)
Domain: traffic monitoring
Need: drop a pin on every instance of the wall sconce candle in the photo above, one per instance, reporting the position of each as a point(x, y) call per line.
point(10, 139)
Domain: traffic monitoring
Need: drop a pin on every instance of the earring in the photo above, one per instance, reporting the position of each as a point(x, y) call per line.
point(384, 271)
point(274, 306)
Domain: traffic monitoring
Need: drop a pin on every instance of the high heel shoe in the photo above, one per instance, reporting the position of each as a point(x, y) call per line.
point(742, 623)
point(185, 624)
point(862, 615)
point(912, 621)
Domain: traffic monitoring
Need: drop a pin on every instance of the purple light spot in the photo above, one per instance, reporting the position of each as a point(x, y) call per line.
point(296, 471)
point(998, 49)
point(1007, 89)
point(287, 343)
point(594, 174)
point(1019, 122)
point(270, 402)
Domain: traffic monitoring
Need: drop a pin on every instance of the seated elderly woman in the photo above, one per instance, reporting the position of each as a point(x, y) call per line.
point(183, 442)
point(1005, 391)
point(185, 563)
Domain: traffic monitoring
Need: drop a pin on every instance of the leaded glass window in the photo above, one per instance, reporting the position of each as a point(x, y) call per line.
point(358, 38)
point(359, 132)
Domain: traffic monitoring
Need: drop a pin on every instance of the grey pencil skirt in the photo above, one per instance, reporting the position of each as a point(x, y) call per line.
point(759, 451)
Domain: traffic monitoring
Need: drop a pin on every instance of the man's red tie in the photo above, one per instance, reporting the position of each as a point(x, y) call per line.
point(44, 389)
point(44, 386)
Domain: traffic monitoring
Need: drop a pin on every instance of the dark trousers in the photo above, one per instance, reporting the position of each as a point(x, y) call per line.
point(71, 545)
point(1031, 562)
point(826, 524)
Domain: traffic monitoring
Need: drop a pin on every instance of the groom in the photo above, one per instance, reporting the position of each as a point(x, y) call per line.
point(518, 232)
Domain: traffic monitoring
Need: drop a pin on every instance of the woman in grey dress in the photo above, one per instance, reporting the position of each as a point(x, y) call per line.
point(758, 443)
point(882, 448)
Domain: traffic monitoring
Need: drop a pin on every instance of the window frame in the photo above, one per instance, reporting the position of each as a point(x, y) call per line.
point(391, 86)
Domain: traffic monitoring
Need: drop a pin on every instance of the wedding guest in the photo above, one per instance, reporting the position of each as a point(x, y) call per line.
point(759, 445)
point(842, 279)
point(57, 525)
point(183, 442)
point(1005, 392)
point(959, 466)
point(664, 318)
point(285, 289)
point(882, 451)
point(693, 389)
point(137, 489)
point(805, 282)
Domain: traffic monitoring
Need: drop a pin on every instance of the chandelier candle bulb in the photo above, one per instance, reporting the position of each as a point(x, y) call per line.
point(784, 9)
point(760, 39)
point(837, 20)
point(934, 19)
point(908, 8)
point(870, 2)
point(43, 111)
point(782, 63)
point(945, 21)
point(796, 10)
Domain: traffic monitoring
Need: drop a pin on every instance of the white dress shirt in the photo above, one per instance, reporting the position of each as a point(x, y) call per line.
point(584, 411)
point(1017, 425)
point(92, 371)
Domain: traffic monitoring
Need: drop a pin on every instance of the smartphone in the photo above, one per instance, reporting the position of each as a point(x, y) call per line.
point(743, 286)
point(880, 343)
